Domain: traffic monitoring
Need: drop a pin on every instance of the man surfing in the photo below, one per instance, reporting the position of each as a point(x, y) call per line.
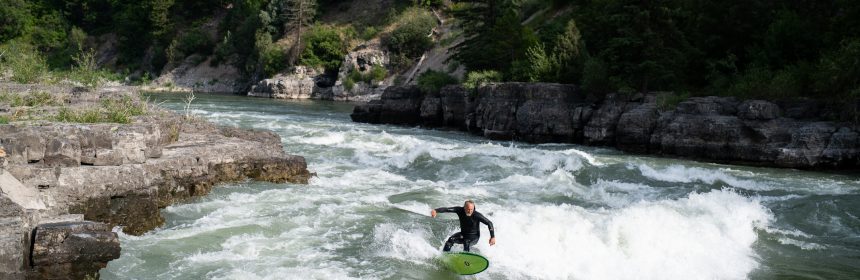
point(469, 222)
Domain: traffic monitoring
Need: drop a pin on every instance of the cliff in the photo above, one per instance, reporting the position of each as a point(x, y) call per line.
point(65, 186)
point(721, 129)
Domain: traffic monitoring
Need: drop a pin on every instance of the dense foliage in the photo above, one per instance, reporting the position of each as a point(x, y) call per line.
point(432, 81)
point(325, 48)
point(750, 48)
point(747, 48)
point(410, 38)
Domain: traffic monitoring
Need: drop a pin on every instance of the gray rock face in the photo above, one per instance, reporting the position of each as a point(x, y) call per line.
point(300, 84)
point(69, 145)
point(714, 128)
point(708, 106)
point(758, 110)
point(540, 117)
point(600, 128)
point(63, 151)
point(496, 111)
point(635, 127)
point(13, 237)
point(361, 60)
point(73, 250)
point(399, 105)
point(455, 105)
point(431, 110)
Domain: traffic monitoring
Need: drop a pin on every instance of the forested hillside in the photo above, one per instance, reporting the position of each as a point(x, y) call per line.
point(767, 49)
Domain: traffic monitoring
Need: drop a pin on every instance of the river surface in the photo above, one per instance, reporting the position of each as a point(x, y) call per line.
point(561, 211)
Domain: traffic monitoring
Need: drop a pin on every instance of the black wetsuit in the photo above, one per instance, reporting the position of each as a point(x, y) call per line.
point(469, 233)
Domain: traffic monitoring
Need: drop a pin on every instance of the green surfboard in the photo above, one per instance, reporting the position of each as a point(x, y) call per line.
point(465, 263)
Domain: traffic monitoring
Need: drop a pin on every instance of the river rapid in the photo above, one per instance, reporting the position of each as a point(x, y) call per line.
point(561, 211)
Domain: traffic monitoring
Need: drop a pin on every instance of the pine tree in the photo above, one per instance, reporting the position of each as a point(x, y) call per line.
point(495, 37)
point(297, 15)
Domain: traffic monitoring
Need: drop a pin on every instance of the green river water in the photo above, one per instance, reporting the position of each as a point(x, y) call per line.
point(561, 211)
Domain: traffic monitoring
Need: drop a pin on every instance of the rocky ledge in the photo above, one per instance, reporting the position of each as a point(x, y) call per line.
point(64, 187)
point(799, 134)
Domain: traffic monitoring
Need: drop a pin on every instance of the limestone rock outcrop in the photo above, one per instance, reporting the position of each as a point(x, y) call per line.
point(302, 83)
point(723, 129)
point(64, 187)
point(362, 60)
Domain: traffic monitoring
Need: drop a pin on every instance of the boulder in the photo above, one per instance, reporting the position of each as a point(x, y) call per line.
point(301, 83)
point(361, 60)
point(73, 250)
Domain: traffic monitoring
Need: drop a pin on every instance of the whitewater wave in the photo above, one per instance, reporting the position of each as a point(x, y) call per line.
point(703, 236)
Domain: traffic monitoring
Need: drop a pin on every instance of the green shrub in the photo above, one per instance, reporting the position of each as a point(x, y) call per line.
point(760, 82)
point(86, 116)
point(432, 81)
point(667, 101)
point(378, 73)
point(369, 32)
point(86, 70)
point(4, 119)
point(324, 47)
point(355, 76)
point(40, 98)
point(114, 110)
point(479, 78)
point(452, 67)
point(274, 60)
point(15, 16)
point(25, 62)
point(36, 99)
point(411, 36)
point(191, 42)
point(348, 83)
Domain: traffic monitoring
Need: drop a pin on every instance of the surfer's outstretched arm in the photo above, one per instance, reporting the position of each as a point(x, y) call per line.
point(443, 210)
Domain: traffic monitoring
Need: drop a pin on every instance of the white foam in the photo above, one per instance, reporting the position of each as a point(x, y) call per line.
point(793, 232)
point(411, 244)
point(682, 174)
point(591, 159)
point(704, 236)
point(800, 244)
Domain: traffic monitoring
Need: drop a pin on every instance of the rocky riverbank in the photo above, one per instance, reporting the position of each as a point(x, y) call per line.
point(65, 186)
point(722, 129)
